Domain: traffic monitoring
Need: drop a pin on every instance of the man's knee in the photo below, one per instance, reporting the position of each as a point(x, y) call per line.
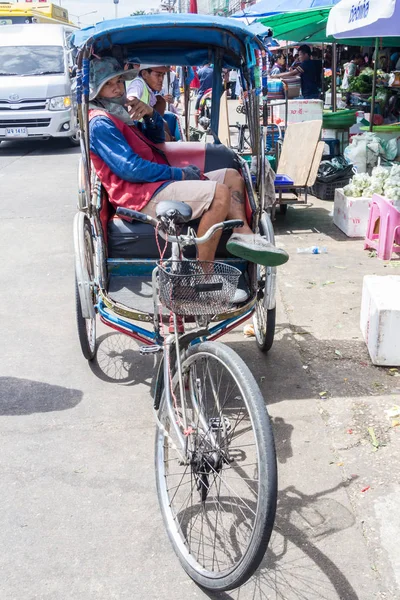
point(233, 177)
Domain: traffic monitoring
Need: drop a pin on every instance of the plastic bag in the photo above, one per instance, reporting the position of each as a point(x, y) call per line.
point(334, 169)
point(365, 150)
point(356, 153)
point(390, 148)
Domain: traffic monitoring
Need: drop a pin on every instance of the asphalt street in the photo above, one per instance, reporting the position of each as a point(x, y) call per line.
point(79, 514)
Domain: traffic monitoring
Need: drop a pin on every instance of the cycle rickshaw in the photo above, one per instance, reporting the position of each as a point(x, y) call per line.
point(214, 450)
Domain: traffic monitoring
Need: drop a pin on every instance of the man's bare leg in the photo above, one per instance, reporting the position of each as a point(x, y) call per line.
point(217, 212)
point(243, 242)
point(237, 210)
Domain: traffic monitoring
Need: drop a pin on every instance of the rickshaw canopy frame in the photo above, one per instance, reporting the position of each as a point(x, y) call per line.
point(178, 39)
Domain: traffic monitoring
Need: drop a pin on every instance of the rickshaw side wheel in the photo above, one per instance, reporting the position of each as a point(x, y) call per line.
point(86, 329)
point(264, 328)
point(85, 285)
point(264, 318)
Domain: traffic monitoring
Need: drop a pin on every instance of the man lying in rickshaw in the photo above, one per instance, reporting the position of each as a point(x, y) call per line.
point(136, 174)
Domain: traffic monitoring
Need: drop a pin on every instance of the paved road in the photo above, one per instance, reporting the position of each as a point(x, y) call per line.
point(79, 513)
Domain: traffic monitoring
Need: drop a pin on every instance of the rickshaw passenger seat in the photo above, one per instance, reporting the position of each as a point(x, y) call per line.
point(207, 157)
point(138, 240)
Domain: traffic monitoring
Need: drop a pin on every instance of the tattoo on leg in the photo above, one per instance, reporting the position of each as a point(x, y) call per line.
point(238, 197)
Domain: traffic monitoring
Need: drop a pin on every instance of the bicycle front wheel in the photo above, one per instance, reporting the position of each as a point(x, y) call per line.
point(217, 496)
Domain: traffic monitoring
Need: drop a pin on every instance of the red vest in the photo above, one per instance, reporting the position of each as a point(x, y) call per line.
point(121, 192)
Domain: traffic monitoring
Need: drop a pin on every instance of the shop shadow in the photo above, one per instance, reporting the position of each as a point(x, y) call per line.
point(299, 366)
point(118, 361)
point(295, 567)
point(26, 397)
point(37, 147)
point(309, 218)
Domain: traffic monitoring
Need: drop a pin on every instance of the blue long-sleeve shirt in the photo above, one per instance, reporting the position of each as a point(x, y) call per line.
point(111, 146)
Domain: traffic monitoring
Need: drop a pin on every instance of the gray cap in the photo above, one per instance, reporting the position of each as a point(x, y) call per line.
point(148, 67)
point(104, 69)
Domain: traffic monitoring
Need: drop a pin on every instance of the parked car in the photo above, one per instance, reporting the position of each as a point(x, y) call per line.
point(36, 98)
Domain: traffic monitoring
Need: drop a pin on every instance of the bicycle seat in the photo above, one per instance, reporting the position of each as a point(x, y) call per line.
point(178, 212)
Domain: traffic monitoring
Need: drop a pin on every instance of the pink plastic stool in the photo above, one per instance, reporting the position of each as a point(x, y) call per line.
point(383, 229)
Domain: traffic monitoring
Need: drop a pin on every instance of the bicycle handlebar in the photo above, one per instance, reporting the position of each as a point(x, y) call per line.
point(127, 214)
point(130, 215)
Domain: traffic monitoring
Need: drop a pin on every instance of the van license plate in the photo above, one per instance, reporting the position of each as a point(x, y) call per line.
point(16, 132)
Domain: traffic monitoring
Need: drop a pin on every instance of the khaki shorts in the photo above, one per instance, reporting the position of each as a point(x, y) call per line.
point(198, 194)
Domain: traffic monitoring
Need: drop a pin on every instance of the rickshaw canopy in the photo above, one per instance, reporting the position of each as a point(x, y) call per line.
point(177, 39)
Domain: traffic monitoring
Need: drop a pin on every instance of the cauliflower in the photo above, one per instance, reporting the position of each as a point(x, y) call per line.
point(385, 181)
point(380, 173)
point(392, 191)
point(395, 172)
point(349, 190)
point(392, 184)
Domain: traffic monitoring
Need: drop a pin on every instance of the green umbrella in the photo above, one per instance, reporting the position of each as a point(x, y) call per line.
point(309, 26)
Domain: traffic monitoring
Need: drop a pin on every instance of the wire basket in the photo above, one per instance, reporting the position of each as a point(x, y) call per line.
point(192, 287)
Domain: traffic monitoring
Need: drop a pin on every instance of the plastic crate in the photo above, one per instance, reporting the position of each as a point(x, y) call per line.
point(272, 139)
point(283, 181)
point(326, 191)
point(331, 148)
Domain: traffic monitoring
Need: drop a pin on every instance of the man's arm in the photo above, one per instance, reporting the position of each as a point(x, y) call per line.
point(153, 128)
point(291, 73)
point(135, 88)
point(110, 145)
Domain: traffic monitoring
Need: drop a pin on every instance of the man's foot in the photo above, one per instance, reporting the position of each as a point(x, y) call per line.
point(242, 293)
point(256, 249)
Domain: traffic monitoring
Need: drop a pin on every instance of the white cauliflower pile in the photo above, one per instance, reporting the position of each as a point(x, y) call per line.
point(384, 181)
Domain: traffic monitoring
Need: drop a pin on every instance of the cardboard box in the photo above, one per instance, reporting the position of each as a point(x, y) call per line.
point(351, 214)
point(380, 318)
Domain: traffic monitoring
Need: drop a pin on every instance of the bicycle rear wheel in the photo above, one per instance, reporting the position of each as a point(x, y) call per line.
point(218, 499)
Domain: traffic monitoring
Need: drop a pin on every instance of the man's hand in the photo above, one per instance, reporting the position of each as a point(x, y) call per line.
point(191, 173)
point(138, 109)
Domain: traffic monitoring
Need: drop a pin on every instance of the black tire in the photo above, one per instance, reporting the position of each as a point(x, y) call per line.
point(86, 326)
point(73, 141)
point(264, 319)
point(264, 326)
point(210, 456)
point(88, 350)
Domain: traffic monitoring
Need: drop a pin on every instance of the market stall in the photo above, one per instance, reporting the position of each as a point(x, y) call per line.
point(372, 186)
point(375, 20)
point(309, 27)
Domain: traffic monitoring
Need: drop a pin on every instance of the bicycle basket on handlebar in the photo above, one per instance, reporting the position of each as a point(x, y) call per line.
point(192, 287)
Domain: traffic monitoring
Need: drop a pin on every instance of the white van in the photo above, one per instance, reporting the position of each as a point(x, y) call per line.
point(36, 99)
